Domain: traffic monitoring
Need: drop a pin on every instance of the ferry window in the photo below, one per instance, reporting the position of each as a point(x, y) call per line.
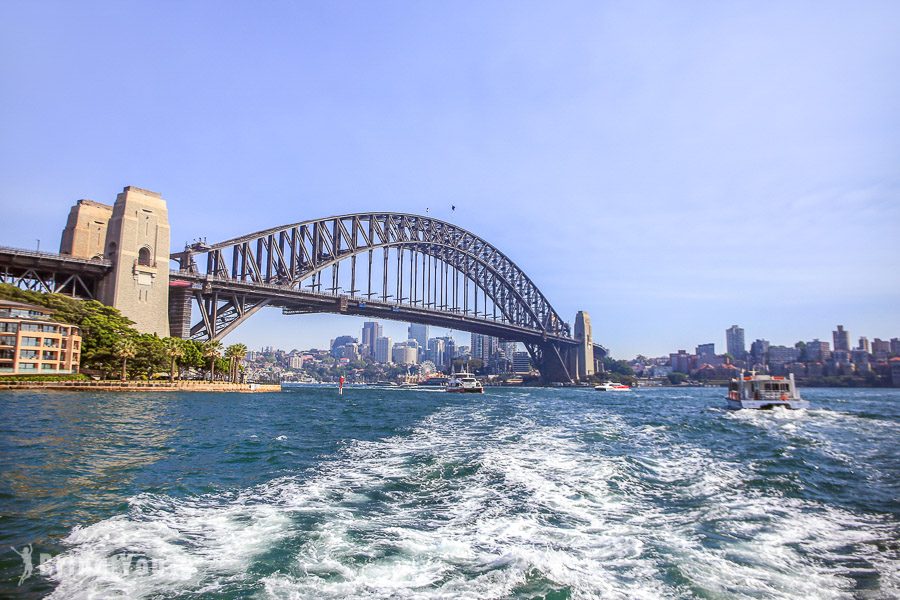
point(144, 256)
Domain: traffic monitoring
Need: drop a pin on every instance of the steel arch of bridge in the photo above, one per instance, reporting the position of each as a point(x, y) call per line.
point(421, 264)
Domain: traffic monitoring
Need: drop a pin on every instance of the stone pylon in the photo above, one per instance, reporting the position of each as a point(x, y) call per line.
point(584, 354)
point(137, 243)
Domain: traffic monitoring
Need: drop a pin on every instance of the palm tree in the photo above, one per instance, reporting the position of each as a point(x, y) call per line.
point(125, 348)
point(174, 348)
point(235, 354)
point(212, 350)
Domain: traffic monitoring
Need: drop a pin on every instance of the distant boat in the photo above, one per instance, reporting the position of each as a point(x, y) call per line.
point(764, 392)
point(609, 386)
point(464, 382)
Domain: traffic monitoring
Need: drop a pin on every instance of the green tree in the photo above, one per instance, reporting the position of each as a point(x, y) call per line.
point(125, 348)
point(235, 353)
point(174, 349)
point(193, 355)
point(677, 378)
point(150, 357)
point(211, 351)
point(620, 367)
point(222, 365)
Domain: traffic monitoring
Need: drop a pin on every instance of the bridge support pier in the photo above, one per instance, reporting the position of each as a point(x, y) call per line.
point(180, 299)
point(553, 363)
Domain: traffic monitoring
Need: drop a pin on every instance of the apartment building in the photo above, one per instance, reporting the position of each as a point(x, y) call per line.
point(32, 343)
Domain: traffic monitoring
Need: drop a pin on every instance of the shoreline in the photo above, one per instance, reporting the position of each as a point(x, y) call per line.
point(140, 386)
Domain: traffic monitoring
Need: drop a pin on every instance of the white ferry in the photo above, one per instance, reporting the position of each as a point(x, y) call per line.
point(464, 382)
point(763, 392)
point(609, 386)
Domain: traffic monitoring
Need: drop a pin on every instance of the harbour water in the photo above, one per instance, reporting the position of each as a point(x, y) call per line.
point(385, 493)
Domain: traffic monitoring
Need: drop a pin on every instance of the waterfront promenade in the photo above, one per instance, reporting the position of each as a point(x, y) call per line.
point(140, 386)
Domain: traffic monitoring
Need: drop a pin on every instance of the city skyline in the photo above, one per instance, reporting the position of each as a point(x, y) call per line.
point(398, 332)
point(741, 169)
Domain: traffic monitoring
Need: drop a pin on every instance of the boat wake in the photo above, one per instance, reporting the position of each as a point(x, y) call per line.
point(472, 505)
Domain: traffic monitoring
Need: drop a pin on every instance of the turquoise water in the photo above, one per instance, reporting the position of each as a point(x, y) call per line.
point(380, 493)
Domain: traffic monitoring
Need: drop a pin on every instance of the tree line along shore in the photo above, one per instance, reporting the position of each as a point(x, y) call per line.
point(113, 349)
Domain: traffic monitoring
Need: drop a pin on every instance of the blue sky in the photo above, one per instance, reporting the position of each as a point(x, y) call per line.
point(672, 168)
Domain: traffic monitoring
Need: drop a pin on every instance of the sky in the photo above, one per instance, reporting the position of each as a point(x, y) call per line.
point(672, 168)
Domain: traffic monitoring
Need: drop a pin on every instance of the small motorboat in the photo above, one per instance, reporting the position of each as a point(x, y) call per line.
point(609, 386)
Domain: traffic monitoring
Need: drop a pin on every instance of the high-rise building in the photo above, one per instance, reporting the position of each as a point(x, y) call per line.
point(734, 342)
point(449, 351)
point(405, 354)
point(864, 344)
point(521, 362)
point(340, 341)
point(371, 331)
point(895, 345)
point(484, 347)
point(420, 334)
point(861, 360)
point(420, 352)
point(841, 338)
point(759, 349)
point(816, 350)
point(349, 351)
point(681, 361)
point(436, 351)
point(508, 348)
point(384, 348)
point(704, 350)
point(781, 355)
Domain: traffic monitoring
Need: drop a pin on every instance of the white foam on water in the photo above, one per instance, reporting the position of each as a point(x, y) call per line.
point(464, 507)
point(164, 545)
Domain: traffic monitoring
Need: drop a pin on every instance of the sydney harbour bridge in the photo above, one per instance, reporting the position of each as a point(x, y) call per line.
point(380, 265)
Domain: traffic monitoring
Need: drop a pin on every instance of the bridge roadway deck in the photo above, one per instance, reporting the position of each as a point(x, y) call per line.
point(17, 258)
point(297, 301)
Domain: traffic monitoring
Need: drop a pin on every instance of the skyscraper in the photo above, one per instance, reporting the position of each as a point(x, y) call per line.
point(371, 331)
point(384, 348)
point(420, 334)
point(436, 351)
point(484, 346)
point(841, 338)
point(734, 342)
